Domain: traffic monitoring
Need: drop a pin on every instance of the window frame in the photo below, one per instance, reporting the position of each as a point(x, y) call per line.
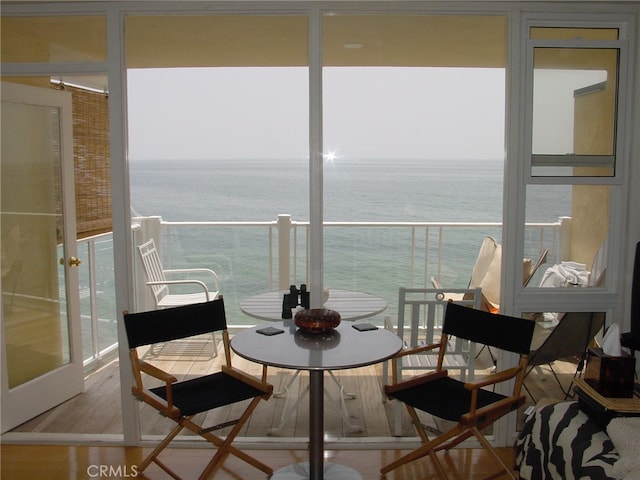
point(622, 46)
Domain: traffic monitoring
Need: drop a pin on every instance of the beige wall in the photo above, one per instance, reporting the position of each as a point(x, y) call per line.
point(594, 129)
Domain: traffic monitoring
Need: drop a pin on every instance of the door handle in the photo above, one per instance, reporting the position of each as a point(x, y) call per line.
point(73, 262)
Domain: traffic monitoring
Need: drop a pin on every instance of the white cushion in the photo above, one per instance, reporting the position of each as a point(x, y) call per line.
point(624, 432)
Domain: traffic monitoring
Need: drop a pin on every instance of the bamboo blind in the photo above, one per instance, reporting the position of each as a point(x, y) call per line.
point(92, 161)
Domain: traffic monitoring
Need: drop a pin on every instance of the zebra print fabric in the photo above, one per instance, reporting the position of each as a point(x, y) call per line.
point(561, 442)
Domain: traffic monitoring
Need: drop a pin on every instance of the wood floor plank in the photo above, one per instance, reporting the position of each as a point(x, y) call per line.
point(59, 462)
point(97, 410)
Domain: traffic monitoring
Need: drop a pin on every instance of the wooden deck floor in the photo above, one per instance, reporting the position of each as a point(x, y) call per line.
point(97, 410)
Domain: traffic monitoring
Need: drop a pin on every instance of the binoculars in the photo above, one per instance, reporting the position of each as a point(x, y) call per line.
point(294, 298)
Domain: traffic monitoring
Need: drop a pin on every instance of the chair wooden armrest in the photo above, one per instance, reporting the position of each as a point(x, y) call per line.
point(144, 394)
point(410, 351)
point(248, 379)
point(494, 378)
point(488, 414)
point(156, 372)
point(418, 349)
point(166, 407)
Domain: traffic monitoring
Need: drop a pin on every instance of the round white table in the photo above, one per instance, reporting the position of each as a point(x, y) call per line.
point(351, 305)
point(342, 348)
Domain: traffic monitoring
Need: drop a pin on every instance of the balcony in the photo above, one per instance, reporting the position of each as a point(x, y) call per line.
point(252, 257)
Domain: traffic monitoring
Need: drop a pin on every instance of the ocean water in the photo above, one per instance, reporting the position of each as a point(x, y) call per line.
point(354, 190)
point(373, 259)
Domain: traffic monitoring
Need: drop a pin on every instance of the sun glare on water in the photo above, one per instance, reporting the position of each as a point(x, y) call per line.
point(330, 157)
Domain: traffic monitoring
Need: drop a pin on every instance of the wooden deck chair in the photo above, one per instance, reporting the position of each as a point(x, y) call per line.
point(182, 400)
point(470, 405)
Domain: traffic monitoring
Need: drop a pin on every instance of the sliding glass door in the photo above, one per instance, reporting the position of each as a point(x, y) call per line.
point(414, 109)
point(218, 141)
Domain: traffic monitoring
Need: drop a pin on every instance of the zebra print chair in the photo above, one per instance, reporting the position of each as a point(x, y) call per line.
point(561, 441)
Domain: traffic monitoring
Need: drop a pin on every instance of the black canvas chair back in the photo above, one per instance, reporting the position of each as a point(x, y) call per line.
point(471, 405)
point(156, 326)
point(181, 400)
point(506, 333)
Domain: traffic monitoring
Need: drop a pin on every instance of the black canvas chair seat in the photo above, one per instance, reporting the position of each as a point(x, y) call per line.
point(428, 397)
point(472, 405)
point(181, 401)
point(206, 393)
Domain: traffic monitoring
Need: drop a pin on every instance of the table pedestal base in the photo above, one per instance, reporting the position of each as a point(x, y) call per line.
point(331, 471)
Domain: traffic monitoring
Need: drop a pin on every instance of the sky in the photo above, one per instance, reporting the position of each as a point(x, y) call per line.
point(369, 112)
point(372, 112)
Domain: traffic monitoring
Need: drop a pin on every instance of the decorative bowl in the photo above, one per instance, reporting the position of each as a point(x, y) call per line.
point(316, 320)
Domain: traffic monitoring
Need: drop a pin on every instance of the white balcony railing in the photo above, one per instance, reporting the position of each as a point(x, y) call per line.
point(251, 257)
point(97, 299)
point(378, 257)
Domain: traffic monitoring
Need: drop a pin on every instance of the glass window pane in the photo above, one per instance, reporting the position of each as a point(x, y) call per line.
point(572, 222)
point(218, 145)
point(218, 118)
point(574, 108)
point(54, 39)
point(34, 305)
point(413, 110)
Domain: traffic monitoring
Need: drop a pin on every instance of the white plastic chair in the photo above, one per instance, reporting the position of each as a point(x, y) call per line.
point(160, 284)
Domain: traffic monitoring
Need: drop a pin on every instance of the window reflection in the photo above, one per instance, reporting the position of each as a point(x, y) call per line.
point(577, 219)
point(574, 97)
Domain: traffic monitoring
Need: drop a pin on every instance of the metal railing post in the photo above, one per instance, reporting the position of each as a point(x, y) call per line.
point(93, 300)
point(284, 254)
